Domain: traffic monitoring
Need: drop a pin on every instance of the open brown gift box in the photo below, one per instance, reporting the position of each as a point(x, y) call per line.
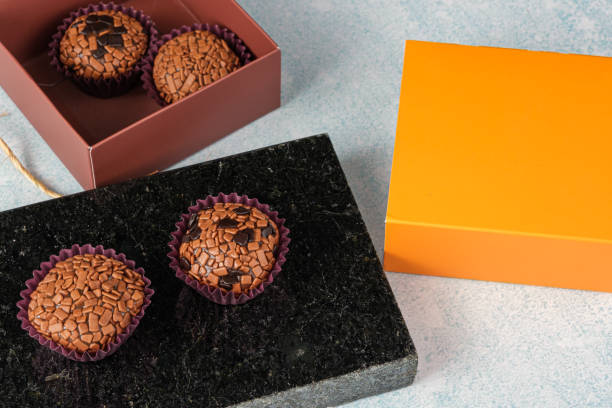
point(102, 141)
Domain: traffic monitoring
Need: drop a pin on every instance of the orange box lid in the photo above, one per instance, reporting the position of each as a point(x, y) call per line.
point(502, 141)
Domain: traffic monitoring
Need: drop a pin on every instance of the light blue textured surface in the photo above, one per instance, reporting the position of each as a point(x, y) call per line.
point(479, 343)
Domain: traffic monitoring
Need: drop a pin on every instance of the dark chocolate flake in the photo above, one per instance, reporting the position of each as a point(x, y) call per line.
point(106, 19)
point(192, 221)
point(88, 29)
point(241, 238)
point(195, 232)
point(184, 264)
point(227, 223)
point(242, 211)
point(119, 30)
point(98, 53)
point(251, 234)
point(92, 18)
point(234, 272)
point(269, 230)
point(231, 279)
point(224, 282)
point(99, 26)
point(102, 40)
point(115, 40)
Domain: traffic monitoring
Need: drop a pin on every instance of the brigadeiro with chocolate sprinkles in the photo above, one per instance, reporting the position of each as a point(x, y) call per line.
point(229, 248)
point(102, 47)
point(190, 58)
point(191, 61)
point(84, 303)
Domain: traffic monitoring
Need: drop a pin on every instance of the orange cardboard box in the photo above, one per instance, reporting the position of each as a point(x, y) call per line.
point(502, 167)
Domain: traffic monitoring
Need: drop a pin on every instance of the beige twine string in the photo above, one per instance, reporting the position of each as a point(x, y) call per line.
point(22, 169)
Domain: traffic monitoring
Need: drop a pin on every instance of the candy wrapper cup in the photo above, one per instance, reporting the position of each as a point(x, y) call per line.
point(103, 88)
point(217, 295)
point(232, 40)
point(40, 273)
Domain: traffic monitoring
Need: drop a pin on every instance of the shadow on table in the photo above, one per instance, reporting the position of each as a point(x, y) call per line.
point(367, 171)
point(424, 304)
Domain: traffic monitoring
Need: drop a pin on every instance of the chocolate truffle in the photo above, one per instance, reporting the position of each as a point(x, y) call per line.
point(190, 61)
point(103, 44)
point(85, 301)
point(230, 246)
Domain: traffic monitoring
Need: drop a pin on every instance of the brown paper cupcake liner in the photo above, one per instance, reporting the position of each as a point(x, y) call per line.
point(40, 273)
point(103, 88)
point(232, 40)
point(216, 294)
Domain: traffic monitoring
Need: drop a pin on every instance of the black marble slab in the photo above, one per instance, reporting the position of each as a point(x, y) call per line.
point(328, 330)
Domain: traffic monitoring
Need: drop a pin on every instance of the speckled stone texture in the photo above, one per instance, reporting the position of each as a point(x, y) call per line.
point(326, 331)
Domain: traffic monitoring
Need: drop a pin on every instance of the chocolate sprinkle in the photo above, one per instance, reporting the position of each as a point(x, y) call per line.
point(227, 223)
point(208, 270)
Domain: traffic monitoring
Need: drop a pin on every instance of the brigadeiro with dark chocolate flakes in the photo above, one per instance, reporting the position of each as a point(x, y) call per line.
point(102, 47)
point(84, 303)
point(229, 248)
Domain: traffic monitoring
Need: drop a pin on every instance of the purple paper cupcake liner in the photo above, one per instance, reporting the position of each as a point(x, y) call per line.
point(39, 274)
point(103, 88)
point(232, 40)
point(216, 294)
